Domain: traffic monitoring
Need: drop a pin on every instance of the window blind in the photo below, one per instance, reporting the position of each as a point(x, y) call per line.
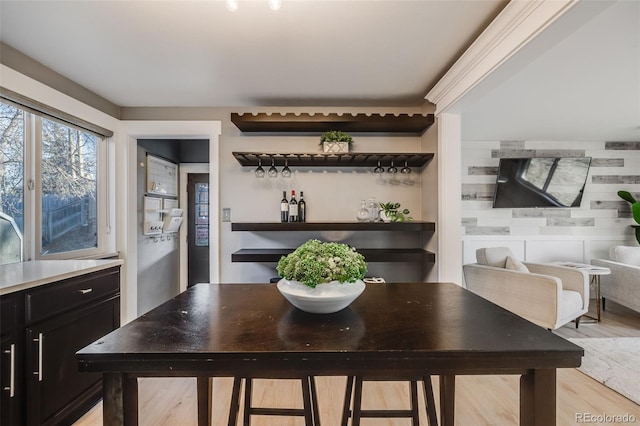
point(39, 108)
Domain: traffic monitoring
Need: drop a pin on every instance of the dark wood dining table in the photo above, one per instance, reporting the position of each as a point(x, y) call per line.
point(391, 330)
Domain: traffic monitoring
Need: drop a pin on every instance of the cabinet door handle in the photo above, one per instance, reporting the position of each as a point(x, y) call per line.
point(85, 290)
point(12, 372)
point(40, 342)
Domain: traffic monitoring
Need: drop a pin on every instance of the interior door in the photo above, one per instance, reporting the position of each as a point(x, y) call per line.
point(198, 228)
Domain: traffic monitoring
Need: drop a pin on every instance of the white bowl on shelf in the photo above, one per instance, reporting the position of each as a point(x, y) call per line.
point(325, 298)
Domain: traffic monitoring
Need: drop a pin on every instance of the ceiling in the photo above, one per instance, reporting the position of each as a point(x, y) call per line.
point(578, 80)
point(198, 53)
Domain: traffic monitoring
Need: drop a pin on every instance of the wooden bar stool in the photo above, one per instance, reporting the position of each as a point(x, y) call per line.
point(309, 411)
point(356, 412)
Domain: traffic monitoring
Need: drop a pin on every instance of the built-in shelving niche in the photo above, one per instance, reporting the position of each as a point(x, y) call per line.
point(304, 123)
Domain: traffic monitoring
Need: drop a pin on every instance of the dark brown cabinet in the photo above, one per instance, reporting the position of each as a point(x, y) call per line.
point(11, 364)
point(59, 319)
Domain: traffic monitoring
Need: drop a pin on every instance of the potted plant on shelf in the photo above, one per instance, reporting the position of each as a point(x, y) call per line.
point(391, 213)
point(322, 277)
point(335, 141)
point(635, 210)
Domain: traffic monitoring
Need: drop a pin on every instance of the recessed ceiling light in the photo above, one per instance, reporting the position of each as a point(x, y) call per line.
point(275, 4)
point(232, 5)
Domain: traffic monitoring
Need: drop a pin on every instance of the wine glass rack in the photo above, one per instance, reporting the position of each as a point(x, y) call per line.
point(415, 160)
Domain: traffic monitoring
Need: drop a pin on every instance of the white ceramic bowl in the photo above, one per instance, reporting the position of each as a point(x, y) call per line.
point(324, 298)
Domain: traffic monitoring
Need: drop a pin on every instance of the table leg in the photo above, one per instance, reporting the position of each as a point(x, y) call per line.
point(314, 400)
point(357, 402)
point(205, 398)
point(447, 399)
point(429, 401)
point(120, 400)
point(234, 407)
point(309, 415)
point(596, 281)
point(538, 398)
point(346, 408)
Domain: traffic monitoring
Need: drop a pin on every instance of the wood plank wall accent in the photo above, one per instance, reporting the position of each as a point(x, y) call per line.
point(602, 217)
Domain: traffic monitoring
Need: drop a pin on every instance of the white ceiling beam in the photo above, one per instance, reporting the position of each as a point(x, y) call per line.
point(518, 23)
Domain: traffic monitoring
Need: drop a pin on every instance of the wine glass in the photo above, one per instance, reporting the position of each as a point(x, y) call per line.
point(363, 214)
point(392, 168)
point(259, 169)
point(273, 172)
point(379, 168)
point(286, 171)
point(406, 169)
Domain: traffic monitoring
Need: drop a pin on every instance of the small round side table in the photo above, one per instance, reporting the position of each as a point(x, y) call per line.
point(594, 273)
point(594, 280)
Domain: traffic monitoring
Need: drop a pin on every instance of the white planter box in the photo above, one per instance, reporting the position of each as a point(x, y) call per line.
point(335, 147)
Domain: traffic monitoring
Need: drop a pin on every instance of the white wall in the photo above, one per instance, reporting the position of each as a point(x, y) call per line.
point(429, 199)
point(158, 274)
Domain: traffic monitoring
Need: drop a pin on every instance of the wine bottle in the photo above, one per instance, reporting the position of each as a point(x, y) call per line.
point(302, 208)
point(293, 207)
point(284, 207)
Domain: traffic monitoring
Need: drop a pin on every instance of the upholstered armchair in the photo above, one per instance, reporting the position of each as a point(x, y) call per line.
point(547, 295)
point(623, 285)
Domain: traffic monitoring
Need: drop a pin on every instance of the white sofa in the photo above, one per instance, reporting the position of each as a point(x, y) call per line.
point(623, 285)
point(547, 295)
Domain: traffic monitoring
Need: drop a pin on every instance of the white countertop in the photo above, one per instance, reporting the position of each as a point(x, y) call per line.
point(23, 275)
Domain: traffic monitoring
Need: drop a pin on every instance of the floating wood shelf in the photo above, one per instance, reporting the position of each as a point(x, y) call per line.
point(416, 160)
point(370, 255)
point(412, 226)
point(414, 124)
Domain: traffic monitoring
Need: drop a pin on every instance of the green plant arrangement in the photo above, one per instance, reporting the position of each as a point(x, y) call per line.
point(336, 136)
point(315, 262)
point(393, 212)
point(635, 210)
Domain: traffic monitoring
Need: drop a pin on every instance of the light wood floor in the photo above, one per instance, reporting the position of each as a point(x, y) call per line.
point(480, 400)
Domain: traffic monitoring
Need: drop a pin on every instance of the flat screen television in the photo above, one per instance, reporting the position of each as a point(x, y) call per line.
point(540, 182)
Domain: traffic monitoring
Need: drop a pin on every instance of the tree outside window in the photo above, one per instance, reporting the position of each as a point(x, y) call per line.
point(69, 213)
point(65, 185)
point(11, 183)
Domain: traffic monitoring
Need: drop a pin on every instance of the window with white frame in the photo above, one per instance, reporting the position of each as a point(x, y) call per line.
point(50, 187)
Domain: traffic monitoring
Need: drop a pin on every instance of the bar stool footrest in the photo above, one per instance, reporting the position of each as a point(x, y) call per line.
point(276, 411)
point(387, 413)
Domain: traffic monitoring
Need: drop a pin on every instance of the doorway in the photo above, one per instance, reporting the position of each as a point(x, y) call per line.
point(197, 228)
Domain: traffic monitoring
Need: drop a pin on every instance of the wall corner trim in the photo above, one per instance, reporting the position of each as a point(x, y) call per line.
point(517, 24)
